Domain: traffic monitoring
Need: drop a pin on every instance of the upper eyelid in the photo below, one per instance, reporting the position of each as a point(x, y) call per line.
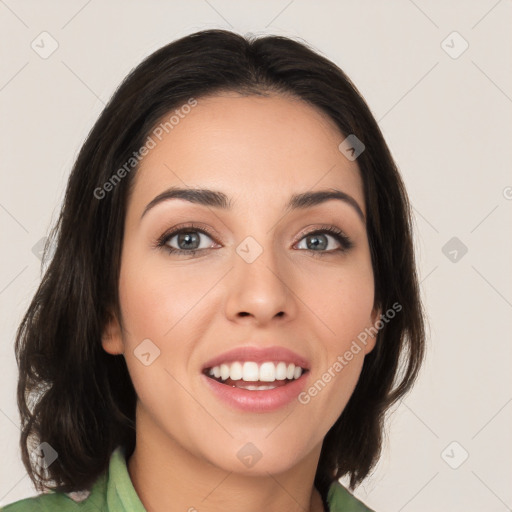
point(171, 233)
point(164, 239)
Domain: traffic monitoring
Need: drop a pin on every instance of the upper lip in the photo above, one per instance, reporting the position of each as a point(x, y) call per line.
point(258, 355)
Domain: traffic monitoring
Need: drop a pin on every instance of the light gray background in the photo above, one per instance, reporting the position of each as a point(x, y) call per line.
point(448, 123)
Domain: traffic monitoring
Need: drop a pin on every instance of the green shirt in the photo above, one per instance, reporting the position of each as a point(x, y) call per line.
point(113, 492)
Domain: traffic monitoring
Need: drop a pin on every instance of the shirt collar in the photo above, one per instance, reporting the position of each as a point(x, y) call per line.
point(121, 495)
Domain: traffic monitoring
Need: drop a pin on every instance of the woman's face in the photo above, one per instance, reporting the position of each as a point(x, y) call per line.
point(259, 284)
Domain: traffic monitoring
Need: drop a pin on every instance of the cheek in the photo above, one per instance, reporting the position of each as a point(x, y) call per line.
point(344, 304)
point(343, 300)
point(163, 304)
point(157, 306)
point(156, 299)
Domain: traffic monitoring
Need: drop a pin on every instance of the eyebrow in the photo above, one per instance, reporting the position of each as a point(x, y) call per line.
point(216, 199)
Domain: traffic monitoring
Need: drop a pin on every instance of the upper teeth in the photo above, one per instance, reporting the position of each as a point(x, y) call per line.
point(252, 372)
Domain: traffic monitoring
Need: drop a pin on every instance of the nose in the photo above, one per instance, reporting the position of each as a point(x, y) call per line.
point(261, 290)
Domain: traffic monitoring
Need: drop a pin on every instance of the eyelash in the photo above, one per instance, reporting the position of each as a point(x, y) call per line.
point(344, 241)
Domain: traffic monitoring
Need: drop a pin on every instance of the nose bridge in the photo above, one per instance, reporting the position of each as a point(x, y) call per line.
point(258, 283)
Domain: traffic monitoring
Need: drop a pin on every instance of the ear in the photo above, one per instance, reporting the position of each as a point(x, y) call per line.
point(372, 330)
point(111, 337)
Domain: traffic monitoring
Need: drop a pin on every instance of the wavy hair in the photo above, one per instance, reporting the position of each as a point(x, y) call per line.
point(80, 399)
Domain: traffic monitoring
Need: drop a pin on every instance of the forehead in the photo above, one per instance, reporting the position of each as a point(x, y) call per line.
point(253, 148)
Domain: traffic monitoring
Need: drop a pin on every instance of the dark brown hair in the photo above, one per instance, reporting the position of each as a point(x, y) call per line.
point(79, 399)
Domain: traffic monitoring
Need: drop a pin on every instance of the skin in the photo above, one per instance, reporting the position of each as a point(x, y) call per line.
point(258, 150)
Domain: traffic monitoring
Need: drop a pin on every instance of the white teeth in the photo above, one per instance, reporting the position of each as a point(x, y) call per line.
point(258, 388)
point(267, 372)
point(235, 372)
point(224, 371)
point(281, 371)
point(250, 371)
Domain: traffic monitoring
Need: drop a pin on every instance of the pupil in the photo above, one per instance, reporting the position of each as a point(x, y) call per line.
point(188, 238)
point(316, 242)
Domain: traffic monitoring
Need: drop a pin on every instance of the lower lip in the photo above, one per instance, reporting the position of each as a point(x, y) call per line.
point(257, 401)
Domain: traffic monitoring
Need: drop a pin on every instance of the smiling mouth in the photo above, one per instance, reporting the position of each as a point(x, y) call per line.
point(254, 376)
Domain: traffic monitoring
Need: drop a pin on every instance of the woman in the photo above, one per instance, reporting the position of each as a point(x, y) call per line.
point(232, 305)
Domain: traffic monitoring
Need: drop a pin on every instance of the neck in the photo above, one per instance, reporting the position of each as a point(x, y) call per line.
point(169, 478)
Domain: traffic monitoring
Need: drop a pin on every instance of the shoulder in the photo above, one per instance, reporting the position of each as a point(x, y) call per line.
point(87, 501)
point(111, 492)
point(55, 502)
point(341, 500)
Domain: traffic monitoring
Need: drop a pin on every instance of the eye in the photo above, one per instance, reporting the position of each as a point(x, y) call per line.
point(186, 240)
point(192, 239)
point(326, 240)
